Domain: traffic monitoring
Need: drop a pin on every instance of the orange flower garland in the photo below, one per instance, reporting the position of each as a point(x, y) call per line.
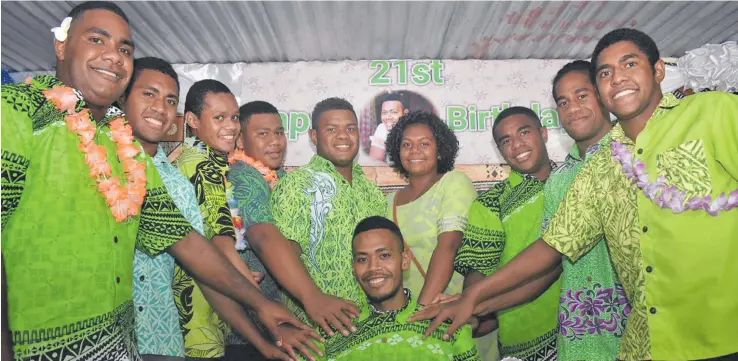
point(270, 175)
point(125, 201)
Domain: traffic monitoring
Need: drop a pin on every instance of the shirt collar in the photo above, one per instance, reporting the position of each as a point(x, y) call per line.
point(594, 148)
point(516, 177)
point(214, 156)
point(325, 165)
point(668, 102)
point(44, 82)
point(408, 300)
point(161, 156)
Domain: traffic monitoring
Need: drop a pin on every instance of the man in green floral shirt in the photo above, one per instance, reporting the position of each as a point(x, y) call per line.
point(502, 222)
point(664, 194)
point(318, 205)
point(68, 260)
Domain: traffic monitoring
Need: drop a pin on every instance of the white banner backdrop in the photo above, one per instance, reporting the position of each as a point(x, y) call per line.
point(468, 94)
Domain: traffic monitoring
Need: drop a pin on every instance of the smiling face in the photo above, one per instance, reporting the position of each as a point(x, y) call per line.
point(337, 137)
point(97, 57)
point(419, 150)
point(522, 143)
point(378, 264)
point(392, 110)
point(628, 85)
point(218, 124)
point(151, 106)
point(581, 113)
point(263, 139)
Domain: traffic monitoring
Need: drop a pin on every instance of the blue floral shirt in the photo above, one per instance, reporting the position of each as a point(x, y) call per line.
point(157, 319)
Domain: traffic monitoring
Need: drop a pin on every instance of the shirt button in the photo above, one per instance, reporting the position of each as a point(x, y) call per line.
point(652, 310)
point(142, 278)
point(117, 279)
point(649, 269)
point(645, 229)
point(140, 308)
point(640, 151)
point(115, 239)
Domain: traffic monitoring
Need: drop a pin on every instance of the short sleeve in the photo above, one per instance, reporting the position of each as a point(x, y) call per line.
point(162, 223)
point(576, 227)
point(484, 237)
point(251, 193)
point(380, 136)
point(291, 208)
point(211, 195)
point(725, 130)
point(458, 195)
point(17, 142)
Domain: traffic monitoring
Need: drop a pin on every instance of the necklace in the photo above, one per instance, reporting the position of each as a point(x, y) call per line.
point(125, 201)
point(270, 175)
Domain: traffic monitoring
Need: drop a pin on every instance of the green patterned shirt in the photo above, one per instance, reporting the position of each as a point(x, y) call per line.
point(388, 336)
point(318, 208)
point(594, 309)
point(204, 332)
point(69, 262)
point(678, 270)
point(503, 222)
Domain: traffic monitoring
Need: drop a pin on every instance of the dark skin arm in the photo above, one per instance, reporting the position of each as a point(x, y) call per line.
point(226, 244)
point(7, 347)
point(201, 259)
point(441, 266)
point(481, 324)
point(537, 260)
point(281, 257)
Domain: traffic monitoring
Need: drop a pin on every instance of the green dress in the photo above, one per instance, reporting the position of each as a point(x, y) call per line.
point(388, 336)
point(503, 222)
point(443, 208)
point(69, 263)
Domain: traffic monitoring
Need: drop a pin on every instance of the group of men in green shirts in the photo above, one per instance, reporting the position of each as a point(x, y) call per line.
point(318, 233)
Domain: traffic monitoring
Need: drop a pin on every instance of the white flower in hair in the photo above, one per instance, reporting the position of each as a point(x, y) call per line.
point(60, 33)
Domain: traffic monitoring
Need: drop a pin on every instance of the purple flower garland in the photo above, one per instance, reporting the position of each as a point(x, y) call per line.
point(669, 197)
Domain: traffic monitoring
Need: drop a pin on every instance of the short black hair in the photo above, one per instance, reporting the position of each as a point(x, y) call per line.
point(377, 222)
point(256, 107)
point(446, 141)
point(637, 37)
point(515, 111)
point(150, 63)
point(394, 97)
point(328, 105)
point(196, 95)
point(82, 8)
point(581, 66)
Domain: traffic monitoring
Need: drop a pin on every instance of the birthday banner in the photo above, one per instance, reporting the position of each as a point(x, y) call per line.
point(466, 94)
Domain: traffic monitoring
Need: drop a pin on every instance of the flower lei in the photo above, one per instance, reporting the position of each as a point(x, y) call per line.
point(125, 201)
point(668, 197)
point(270, 175)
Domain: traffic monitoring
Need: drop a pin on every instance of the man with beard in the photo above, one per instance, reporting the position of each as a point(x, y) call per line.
point(663, 193)
point(505, 220)
point(79, 194)
point(318, 205)
point(379, 260)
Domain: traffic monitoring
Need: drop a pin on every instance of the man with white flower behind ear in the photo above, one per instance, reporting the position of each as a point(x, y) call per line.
point(664, 193)
point(79, 194)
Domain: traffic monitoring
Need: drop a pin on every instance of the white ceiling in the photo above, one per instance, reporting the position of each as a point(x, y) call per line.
point(251, 31)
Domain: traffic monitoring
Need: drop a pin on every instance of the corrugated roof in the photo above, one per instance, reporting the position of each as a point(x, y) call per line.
point(230, 32)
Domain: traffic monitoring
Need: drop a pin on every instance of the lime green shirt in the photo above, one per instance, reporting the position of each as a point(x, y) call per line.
point(503, 222)
point(443, 208)
point(69, 263)
point(678, 270)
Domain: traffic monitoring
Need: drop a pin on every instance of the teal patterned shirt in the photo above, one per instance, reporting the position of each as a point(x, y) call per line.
point(157, 319)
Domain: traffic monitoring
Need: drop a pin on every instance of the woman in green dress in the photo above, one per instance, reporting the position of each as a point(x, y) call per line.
point(432, 210)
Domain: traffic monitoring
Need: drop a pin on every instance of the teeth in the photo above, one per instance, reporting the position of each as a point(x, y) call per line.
point(624, 93)
point(342, 146)
point(416, 161)
point(108, 73)
point(154, 121)
point(227, 137)
point(376, 280)
point(522, 155)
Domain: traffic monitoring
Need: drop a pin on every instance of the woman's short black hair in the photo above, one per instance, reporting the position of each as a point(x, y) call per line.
point(448, 144)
